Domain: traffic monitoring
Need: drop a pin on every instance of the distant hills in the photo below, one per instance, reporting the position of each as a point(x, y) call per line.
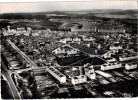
point(131, 13)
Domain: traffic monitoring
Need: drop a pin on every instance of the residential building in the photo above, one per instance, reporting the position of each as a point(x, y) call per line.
point(78, 79)
point(111, 66)
point(126, 58)
point(115, 49)
point(65, 50)
point(89, 72)
point(57, 74)
point(107, 54)
point(131, 66)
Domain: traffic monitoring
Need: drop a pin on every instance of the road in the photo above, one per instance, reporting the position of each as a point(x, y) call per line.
point(23, 54)
point(13, 88)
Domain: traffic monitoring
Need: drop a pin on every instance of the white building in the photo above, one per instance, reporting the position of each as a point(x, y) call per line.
point(55, 73)
point(106, 55)
point(76, 39)
point(125, 58)
point(27, 33)
point(78, 79)
point(89, 72)
point(111, 66)
point(111, 30)
point(88, 39)
point(130, 66)
point(59, 51)
point(115, 49)
point(35, 34)
point(72, 51)
point(65, 40)
point(65, 50)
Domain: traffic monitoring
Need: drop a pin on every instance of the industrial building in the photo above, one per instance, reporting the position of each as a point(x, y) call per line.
point(56, 74)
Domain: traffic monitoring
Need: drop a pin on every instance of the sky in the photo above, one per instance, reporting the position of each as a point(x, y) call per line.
point(65, 6)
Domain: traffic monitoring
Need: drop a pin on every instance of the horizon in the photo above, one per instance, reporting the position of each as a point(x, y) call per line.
point(34, 7)
point(66, 11)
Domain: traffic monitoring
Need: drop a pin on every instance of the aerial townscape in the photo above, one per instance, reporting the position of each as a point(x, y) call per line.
point(69, 54)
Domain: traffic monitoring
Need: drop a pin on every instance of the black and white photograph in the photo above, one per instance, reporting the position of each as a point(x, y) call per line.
point(69, 49)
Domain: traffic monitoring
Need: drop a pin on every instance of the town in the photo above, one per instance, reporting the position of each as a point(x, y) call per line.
point(79, 57)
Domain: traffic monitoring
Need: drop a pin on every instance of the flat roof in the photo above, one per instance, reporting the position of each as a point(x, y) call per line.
point(104, 74)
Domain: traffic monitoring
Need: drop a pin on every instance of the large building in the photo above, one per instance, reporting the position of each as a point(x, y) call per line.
point(111, 66)
point(126, 58)
point(78, 79)
point(56, 74)
point(131, 66)
point(89, 72)
point(65, 50)
point(111, 29)
point(115, 49)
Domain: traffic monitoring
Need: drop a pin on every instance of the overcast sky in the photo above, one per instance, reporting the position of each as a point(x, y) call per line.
point(66, 6)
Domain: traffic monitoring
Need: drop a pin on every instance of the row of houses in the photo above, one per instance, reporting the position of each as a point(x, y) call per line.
point(76, 39)
point(65, 50)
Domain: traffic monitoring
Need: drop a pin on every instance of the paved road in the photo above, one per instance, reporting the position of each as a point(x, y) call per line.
point(23, 54)
point(10, 81)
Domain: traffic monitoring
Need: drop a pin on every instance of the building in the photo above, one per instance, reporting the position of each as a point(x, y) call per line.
point(59, 51)
point(110, 66)
point(65, 40)
point(131, 66)
point(78, 79)
point(126, 58)
point(88, 39)
point(106, 55)
point(76, 39)
point(65, 50)
point(110, 60)
point(111, 28)
point(115, 49)
point(89, 72)
point(56, 74)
